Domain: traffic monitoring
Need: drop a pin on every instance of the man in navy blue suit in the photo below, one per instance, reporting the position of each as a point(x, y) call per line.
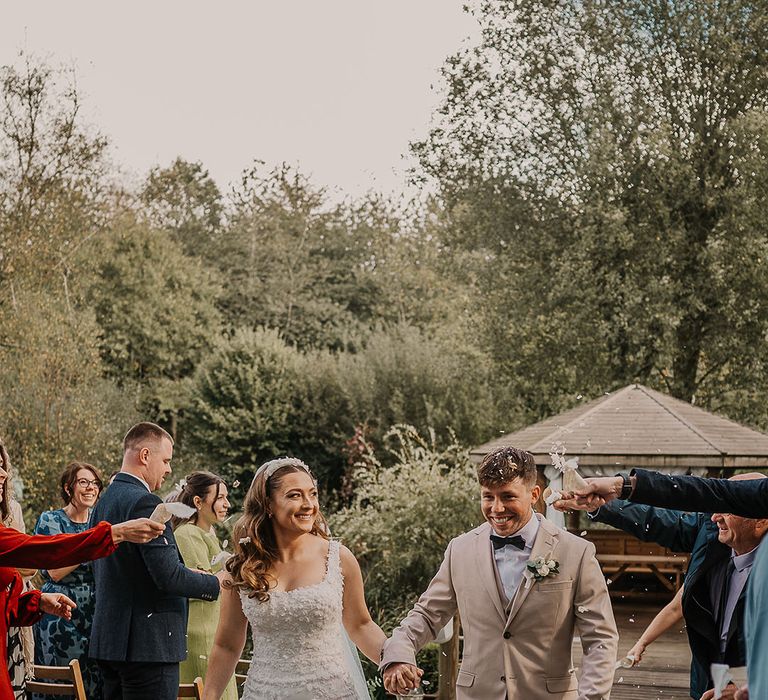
point(748, 499)
point(140, 622)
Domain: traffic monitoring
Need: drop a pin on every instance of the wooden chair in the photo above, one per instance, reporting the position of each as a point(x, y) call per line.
point(192, 690)
point(241, 672)
point(71, 675)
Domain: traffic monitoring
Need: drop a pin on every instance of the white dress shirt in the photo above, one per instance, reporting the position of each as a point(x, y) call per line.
point(511, 561)
point(139, 479)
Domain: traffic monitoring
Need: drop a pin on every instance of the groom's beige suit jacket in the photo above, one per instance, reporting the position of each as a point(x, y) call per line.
point(519, 649)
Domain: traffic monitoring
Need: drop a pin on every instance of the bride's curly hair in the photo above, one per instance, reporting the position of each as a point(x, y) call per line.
point(254, 536)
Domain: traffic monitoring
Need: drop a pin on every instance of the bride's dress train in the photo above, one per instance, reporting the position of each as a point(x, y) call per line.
point(299, 649)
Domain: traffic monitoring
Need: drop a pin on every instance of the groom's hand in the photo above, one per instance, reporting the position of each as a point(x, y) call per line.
point(400, 678)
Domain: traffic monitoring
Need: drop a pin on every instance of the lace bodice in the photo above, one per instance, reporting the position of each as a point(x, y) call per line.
point(298, 651)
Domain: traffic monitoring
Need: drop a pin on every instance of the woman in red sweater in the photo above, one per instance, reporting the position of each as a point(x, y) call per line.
point(50, 552)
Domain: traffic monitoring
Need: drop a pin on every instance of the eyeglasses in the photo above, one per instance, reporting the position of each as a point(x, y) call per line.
point(85, 483)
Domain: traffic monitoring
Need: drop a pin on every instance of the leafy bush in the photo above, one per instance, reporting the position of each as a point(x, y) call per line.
point(255, 398)
point(403, 516)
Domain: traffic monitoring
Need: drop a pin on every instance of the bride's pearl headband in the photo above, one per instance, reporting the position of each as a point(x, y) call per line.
point(269, 468)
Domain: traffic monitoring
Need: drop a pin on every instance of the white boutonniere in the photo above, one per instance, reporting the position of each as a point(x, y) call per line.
point(541, 567)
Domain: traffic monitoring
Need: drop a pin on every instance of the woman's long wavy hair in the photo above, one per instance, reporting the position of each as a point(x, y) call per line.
point(254, 536)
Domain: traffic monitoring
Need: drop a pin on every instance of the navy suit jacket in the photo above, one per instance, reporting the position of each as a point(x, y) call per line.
point(697, 534)
point(748, 499)
point(142, 589)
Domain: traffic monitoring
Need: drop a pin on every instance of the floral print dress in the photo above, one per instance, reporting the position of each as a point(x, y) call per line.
point(58, 641)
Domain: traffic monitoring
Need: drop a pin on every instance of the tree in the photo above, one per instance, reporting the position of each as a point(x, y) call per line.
point(601, 153)
point(255, 397)
point(56, 405)
point(292, 264)
point(156, 309)
point(51, 171)
point(183, 200)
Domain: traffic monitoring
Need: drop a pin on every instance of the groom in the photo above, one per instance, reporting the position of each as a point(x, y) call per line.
point(518, 616)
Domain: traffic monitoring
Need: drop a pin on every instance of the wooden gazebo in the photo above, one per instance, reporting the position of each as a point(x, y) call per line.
point(639, 427)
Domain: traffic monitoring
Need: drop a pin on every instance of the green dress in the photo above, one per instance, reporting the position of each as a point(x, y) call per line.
point(197, 549)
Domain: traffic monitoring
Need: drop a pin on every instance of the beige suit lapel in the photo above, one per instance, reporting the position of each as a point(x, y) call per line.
point(486, 567)
point(545, 542)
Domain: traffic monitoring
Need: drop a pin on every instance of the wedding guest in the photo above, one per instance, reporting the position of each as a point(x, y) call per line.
point(670, 615)
point(21, 644)
point(140, 621)
point(722, 548)
point(17, 550)
point(58, 641)
point(200, 549)
point(522, 588)
point(299, 590)
point(747, 499)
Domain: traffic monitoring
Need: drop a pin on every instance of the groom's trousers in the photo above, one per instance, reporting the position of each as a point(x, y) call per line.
point(139, 680)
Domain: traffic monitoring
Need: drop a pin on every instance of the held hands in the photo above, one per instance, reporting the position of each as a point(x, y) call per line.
point(138, 531)
point(742, 693)
point(729, 693)
point(599, 491)
point(57, 604)
point(400, 678)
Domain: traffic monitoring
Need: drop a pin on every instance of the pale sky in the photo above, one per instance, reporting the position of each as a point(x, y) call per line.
point(338, 87)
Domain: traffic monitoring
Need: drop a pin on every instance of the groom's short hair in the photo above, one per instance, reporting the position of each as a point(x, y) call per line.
point(504, 464)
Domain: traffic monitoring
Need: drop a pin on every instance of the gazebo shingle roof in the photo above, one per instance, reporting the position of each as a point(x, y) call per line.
point(639, 427)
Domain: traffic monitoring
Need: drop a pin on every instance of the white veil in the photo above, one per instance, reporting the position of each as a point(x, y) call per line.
point(355, 667)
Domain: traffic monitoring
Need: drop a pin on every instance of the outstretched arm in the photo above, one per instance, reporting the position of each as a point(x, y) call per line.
point(669, 528)
point(228, 643)
point(18, 550)
point(749, 499)
point(362, 630)
point(669, 615)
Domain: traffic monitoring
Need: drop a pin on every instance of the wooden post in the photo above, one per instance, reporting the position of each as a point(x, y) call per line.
point(448, 664)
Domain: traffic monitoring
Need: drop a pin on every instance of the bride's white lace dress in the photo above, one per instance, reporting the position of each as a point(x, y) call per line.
point(298, 647)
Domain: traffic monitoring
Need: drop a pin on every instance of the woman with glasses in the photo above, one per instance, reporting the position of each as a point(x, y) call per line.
point(58, 641)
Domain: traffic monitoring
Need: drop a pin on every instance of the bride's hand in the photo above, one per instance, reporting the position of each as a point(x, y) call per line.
point(400, 678)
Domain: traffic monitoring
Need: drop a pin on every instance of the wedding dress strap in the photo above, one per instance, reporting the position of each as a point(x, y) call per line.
point(334, 561)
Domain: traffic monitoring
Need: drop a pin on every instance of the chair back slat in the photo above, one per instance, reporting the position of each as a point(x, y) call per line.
point(241, 671)
point(191, 690)
point(74, 687)
point(53, 673)
point(50, 688)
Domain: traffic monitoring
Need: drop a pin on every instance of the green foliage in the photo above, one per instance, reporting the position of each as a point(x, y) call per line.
point(255, 397)
point(155, 304)
point(604, 157)
point(57, 407)
point(440, 382)
point(183, 200)
point(403, 516)
point(51, 171)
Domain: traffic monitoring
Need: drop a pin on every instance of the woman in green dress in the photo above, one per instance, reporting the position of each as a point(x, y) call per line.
point(200, 549)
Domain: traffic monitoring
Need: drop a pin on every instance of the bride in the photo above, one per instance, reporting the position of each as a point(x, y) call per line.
point(299, 590)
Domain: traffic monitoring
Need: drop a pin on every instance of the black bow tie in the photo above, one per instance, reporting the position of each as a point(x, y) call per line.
point(514, 540)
